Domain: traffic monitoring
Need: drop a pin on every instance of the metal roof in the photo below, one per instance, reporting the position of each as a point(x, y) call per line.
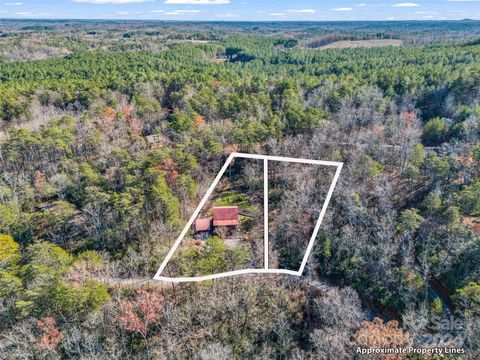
point(225, 215)
point(202, 225)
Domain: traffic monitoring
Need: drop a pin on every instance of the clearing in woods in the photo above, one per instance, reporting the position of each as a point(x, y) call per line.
point(222, 222)
point(352, 44)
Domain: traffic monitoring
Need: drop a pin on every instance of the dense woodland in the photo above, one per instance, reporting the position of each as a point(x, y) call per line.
point(111, 132)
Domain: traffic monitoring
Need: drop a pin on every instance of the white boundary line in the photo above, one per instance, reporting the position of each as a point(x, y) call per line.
point(320, 218)
point(227, 274)
point(265, 213)
point(194, 215)
point(265, 270)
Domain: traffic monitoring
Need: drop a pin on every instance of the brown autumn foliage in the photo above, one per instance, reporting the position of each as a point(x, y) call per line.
point(199, 122)
point(170, 169)
point(109, 113)
point(216, 84)
point(51, 336)
point(377, 334)
point(141, 311)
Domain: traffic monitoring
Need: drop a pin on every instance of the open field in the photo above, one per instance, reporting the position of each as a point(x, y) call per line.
point(362, 44)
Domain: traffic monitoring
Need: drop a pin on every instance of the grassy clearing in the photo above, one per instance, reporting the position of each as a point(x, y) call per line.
point(362, 44)
point(234, 199)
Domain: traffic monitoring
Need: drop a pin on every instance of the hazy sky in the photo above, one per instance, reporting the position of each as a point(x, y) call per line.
point(236, 10)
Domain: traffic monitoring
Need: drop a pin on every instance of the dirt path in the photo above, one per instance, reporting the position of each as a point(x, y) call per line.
point(134, 282)
point(113, 281)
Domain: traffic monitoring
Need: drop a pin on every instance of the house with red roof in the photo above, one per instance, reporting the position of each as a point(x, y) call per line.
point(223, 216)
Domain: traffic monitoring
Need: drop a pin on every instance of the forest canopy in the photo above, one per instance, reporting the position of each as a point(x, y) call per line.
point(111, 133)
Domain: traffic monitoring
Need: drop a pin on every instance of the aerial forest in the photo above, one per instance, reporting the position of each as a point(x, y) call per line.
point(111, 133)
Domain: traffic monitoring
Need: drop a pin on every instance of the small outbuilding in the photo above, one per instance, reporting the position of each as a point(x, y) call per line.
point(202, 225)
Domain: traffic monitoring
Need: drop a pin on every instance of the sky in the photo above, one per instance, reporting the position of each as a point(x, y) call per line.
point(240, 10)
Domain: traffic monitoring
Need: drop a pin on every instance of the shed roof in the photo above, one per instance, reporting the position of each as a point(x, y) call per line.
point(202, 225)
point(225, 215)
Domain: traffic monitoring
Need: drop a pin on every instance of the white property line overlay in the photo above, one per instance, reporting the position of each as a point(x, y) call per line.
point(265, 213)
point(265, 270)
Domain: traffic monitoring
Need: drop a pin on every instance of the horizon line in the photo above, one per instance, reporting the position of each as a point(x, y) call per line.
point(231, 21)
